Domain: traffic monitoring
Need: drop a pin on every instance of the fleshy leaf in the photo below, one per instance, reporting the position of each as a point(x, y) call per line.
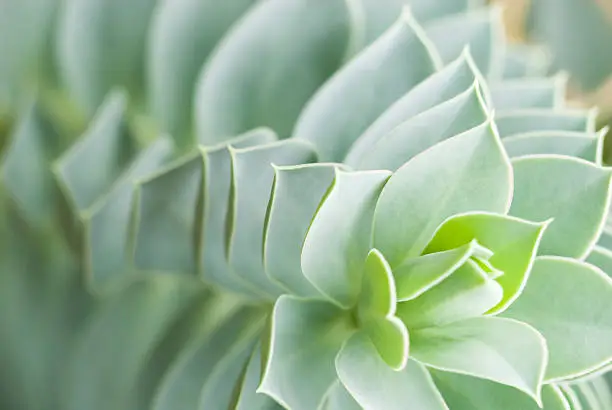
point(177, 49)
point(502, 350)
point(338, 240)
point(463, 392)
point(467, 293)
point(248, 398)
point(548, 92)
point(570, 143)
point(338, 398)
point(455, 116)
point(374, 385)
point(365, 87)
point(107, 221)
point(307, 42)
point(468, 172)
point(89, 168)
point(574, 192)
point(602, 258)
point(306, 336)
point(481, 29)
point(252, 178)
point(452, 80)
point(296, 194)
point(417, 275)
point(514, 243)
point(525, 60)
point(167, 214)
point(569, 303)
point(113, 33)
point(217, 182)
point(522, 121)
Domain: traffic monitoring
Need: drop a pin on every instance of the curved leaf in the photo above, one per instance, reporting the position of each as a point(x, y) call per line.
point(570, 143)
point(468, 172)
point(238, 89)
point(546, 92)
point(487, 348)
point(364, 88)
point(569, 303)
point(514, 122)
point(338, 240)
point(338, 398)
point(248, 398)
point(574, 192)
point(375, 386)
point(525, 60)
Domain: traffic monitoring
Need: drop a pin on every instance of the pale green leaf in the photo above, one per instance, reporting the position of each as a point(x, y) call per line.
point(571, 143)
point(513, 242)
point(468, 172)
point(482, 29)
point(415, 135)
point(217, 182)
point(390, 337)
point(166, 235)
point(338, 240)
point(463, 392)
point(548, 92)
point(501, 350)
point(250, 80)
point(417, 275)
point(466, 293)
point(513, 122)
point(574, 192)
point(569, 303)
point(107, 221)
point(90, 166)
point(365, 87)
point(602, 258)
point(571, 397)
point(306, 336)
point(182, 35)
point(374, 385)
point(252, 178)
point(525, 60)
point(447, 83)
point(338, 398)
point(248, 398)
point(100, 45)
point(296, 195)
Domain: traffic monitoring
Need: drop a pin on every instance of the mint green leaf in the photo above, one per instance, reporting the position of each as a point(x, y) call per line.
point(90, 166)
point(217, 183)
point(463, 392)
point(415, 135)
point(178, 46)
point(514, 243)
point(525, 60)
point(521, 121)
point(569, 303)
point(365, 87)
point(25, 165)
point(338, 398)
point(338, 240)
point(113, 33)
point(574, 192)
point(167, 209)
point(374, 385)
point(107, 221)
point(306, 336)
point(248, 398)
point(183, 382)
point(296, 194)
point(425, 10)
point(571, 143)
point(417, 275)
point(252, 178)
point(449, 82)
point(602, 258)
point(571, 397)
point(546, 92)
point(309, 42)
point(467, 293)
point(390, 337)
point(605, 239)
point(481, 29)
point(502, 350)
point(468, 172)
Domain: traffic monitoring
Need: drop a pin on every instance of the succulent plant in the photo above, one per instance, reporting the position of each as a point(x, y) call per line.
point(307, 204)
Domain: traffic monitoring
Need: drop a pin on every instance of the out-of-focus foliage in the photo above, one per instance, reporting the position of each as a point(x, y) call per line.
point(295, 203)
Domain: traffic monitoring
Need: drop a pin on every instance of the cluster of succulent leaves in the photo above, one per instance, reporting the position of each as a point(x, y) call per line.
point(307, 204)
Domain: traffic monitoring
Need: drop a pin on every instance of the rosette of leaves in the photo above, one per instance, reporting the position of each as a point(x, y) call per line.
point(339, 204)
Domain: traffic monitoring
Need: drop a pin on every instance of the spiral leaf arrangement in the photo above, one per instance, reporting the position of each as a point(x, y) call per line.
point(339, 204)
